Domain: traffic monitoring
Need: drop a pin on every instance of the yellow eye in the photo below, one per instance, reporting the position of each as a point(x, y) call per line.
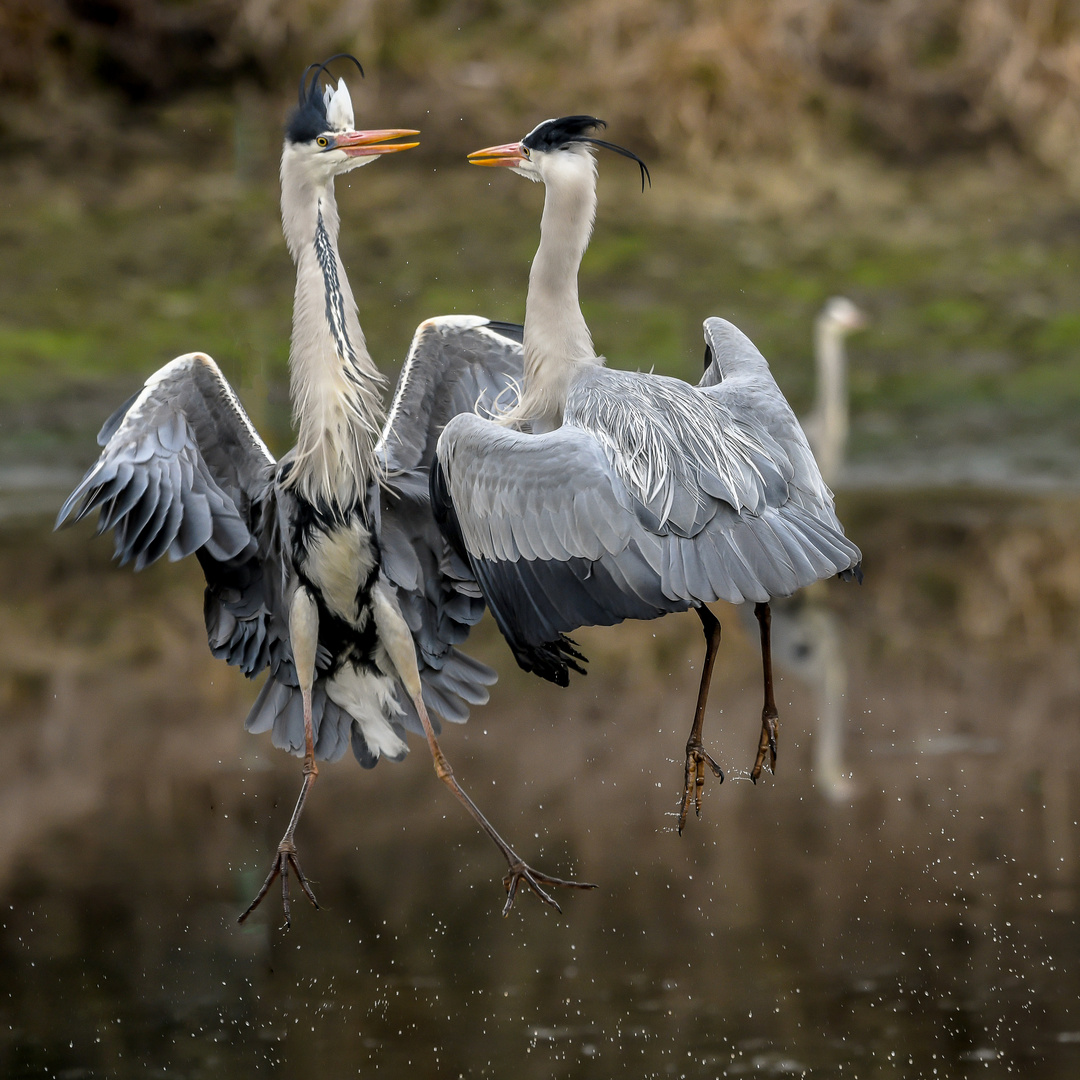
point(322, 140)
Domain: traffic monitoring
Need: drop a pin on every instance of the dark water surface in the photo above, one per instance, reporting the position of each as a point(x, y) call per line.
point(900, 900)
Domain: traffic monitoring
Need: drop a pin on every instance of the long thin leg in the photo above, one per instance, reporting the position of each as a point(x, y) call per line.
point(696, 755)
point(397, 638)
point(286, 852)
point(519, 869)
point(769, 715)
point(304, 636)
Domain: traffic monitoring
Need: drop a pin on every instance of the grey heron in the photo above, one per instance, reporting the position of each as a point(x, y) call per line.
point(827, 425)
point(325, 567)
point(605, 495)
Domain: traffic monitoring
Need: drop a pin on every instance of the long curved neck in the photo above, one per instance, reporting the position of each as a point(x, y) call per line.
point(336, 388)
point(556, 336)
point(831, 406)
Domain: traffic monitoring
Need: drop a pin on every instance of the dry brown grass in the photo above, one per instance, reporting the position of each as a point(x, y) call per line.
point(909, 78)
point(698, 79)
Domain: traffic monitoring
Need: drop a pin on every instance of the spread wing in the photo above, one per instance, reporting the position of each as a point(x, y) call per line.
point(456, 364)
point(653, 496)
point(183, 471)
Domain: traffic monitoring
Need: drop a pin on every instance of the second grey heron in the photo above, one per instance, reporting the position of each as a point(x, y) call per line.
point(325, 567)
point(604, 495)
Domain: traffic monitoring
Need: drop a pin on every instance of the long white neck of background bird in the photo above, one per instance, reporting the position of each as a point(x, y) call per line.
point(336, 388)
point(556, 335)
point(831, 407)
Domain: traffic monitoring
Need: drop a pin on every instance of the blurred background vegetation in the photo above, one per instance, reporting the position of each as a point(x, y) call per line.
point(922, 156)
point(697, 79)
point(919, 156)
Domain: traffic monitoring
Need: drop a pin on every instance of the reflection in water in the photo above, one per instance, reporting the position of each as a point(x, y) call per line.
point(808, 642)
point(807, 636)
point(929, 925)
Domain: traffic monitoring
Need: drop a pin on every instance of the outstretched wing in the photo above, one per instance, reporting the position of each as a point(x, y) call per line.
point(739, 376)
point(653, 496)
point(183, 471)
point(456, 365)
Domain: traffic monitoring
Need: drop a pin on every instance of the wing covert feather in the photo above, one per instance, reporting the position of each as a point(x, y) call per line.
point(182, 471)
point(668, 495)
point(455, 364)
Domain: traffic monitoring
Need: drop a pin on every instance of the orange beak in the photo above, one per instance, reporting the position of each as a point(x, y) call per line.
point(370, 143)
point(507, 154)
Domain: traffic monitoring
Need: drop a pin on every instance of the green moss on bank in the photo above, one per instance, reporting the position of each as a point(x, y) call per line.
point(102, 281)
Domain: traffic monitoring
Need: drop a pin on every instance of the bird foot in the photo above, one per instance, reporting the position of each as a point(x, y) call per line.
point(697, 757)
point(521, 871)
point(767, 742)
point(285, 857)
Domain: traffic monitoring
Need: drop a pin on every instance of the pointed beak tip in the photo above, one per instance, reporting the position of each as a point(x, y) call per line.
point(509, 154)
point(374, 143)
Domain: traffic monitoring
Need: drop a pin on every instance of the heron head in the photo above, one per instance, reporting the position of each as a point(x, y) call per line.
point(842, 316)
point(321, 134)
point(553, 146)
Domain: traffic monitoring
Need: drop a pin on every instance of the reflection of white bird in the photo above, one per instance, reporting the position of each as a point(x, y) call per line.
point(325, 567)
point(632, 495)
point(808, 642)
point(807, 638)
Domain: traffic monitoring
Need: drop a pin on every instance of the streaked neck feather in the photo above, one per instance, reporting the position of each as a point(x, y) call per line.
point(335, 386)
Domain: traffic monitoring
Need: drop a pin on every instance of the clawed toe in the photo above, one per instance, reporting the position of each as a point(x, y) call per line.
point(285, 857)
point(697, 757)
point(767, 743)
point(520, 871)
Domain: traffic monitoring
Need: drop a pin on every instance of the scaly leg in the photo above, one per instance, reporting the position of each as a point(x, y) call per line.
point(697, 756)
point(769, 715)
point(304, 637)
point(519, 869)
point(398, 641)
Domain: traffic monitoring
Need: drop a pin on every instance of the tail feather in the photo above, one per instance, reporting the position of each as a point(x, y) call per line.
point(279, 709)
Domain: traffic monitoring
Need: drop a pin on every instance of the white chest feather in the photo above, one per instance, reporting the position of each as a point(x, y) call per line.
point(338, 563)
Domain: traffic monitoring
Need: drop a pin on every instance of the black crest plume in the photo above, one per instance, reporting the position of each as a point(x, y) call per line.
point(309, 118)
point(553, 134)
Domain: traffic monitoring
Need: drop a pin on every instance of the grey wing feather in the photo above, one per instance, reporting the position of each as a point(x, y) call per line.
point(652, 497)
point(740, 376)
point(183, 471)
point(731, 355)
point(182, 442)
point(456, 364)
point(550, 534)
point(110, 425)
point(279, 709)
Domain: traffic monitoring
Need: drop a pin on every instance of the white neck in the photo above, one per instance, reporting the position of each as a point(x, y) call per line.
point(336, 388)
point(830, 416)
point(556, 336)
